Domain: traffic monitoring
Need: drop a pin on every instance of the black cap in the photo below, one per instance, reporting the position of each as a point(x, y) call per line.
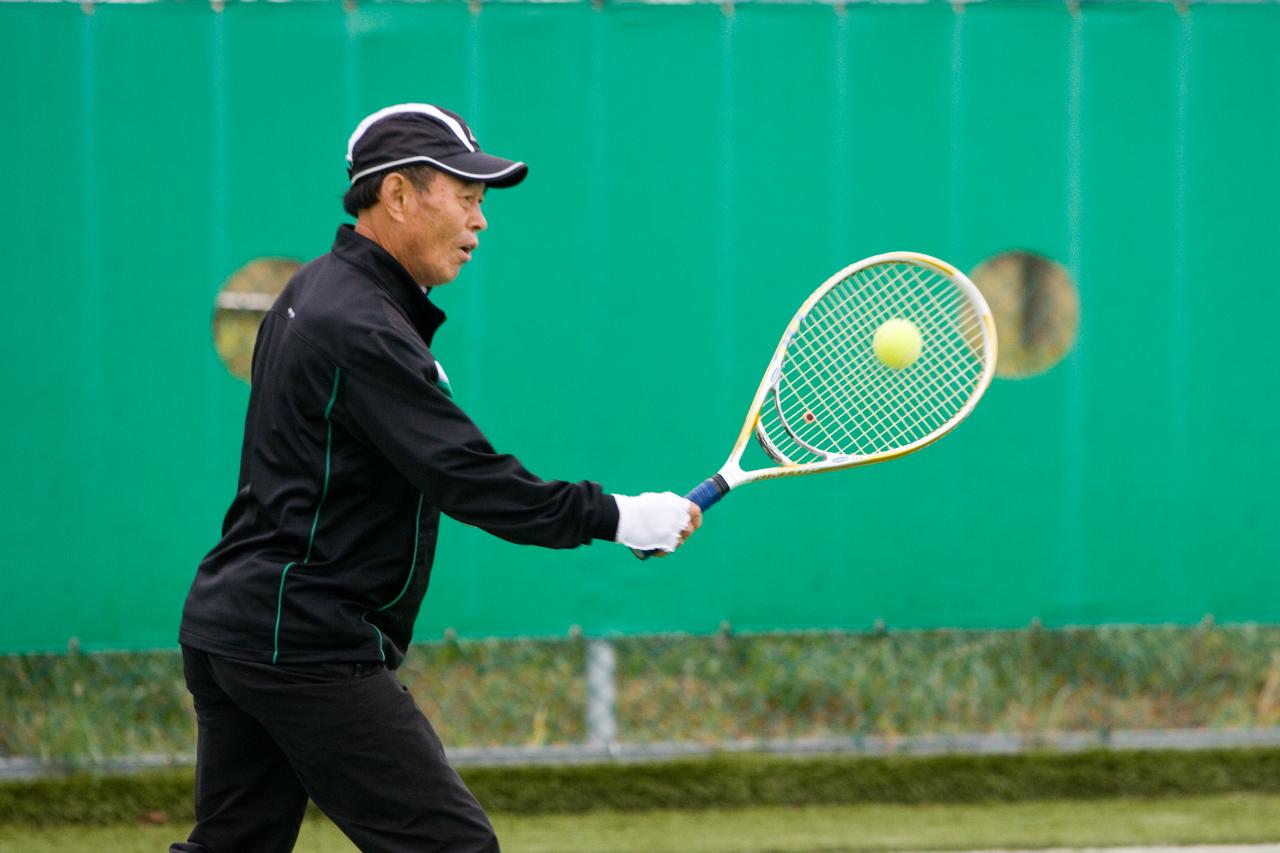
point(409, 134)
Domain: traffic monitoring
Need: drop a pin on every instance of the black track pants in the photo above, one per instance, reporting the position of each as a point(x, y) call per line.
point(348, 736)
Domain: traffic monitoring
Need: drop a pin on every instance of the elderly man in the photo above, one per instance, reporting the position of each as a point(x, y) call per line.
point(353, 446)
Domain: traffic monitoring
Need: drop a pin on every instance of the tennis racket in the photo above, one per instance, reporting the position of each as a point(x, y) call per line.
point(829, 398)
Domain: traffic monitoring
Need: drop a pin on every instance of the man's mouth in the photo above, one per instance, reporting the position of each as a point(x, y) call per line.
point(467, 249)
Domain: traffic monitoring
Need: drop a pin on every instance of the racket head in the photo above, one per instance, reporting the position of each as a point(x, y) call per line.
point(828, 401)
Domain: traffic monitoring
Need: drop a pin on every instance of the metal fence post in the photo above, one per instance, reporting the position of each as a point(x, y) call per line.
point(602, 720)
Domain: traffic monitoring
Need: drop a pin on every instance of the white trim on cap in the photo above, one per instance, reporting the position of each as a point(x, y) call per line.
point(453, 170)
point(426, 109)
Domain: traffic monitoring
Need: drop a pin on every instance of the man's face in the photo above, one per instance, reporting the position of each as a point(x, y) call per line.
point(441, 228)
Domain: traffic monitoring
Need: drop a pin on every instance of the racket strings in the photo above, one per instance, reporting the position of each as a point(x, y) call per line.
point(876, 432)
point(835, 397)
point(817, 364)
point(950, 378)
point(867, 434)
point(891, 431)
point(860, 360)
point(865, 356)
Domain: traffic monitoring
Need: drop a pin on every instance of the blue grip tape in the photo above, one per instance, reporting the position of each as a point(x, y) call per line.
point(708, 492)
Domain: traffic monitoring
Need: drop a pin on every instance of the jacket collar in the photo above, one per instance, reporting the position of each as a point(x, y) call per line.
point(387, 272)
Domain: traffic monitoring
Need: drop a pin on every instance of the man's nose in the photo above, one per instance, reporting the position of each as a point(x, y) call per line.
point(478, 222)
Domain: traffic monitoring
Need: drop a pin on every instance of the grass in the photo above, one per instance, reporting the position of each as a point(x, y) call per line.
point(905, 683)
point(80, 708)
point(727, 782)
point(815, 829)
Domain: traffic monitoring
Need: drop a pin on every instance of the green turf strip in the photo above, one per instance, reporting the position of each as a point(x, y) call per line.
point(728, 782)
point(1236, 818)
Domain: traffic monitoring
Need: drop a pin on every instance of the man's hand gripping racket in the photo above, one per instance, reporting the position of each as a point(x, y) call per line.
point(887, 356)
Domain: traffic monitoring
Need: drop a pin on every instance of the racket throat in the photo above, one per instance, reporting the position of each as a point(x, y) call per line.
point(730, 475)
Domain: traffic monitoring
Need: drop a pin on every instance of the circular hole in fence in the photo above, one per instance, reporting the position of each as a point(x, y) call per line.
point(240, 306)
point(1036, 309)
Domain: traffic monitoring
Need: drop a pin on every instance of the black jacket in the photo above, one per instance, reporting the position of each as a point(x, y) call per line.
point(351, 452)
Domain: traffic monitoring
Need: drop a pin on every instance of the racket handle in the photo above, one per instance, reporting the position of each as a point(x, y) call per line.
point(706, 495)
point(709, 492)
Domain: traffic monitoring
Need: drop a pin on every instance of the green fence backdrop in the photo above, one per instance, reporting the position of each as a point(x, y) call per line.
point(695, 171)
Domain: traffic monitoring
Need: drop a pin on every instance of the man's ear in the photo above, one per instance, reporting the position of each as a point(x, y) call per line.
point(394, 195)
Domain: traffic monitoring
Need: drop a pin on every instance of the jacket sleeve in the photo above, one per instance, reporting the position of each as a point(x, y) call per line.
point(392, 402)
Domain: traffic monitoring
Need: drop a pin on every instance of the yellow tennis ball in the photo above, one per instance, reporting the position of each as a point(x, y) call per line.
point(897, 343)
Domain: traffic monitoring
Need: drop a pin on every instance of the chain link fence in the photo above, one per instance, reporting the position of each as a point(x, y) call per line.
point(578, 699)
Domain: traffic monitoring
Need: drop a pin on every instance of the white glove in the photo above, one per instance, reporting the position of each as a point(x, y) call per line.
point(651, 521)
